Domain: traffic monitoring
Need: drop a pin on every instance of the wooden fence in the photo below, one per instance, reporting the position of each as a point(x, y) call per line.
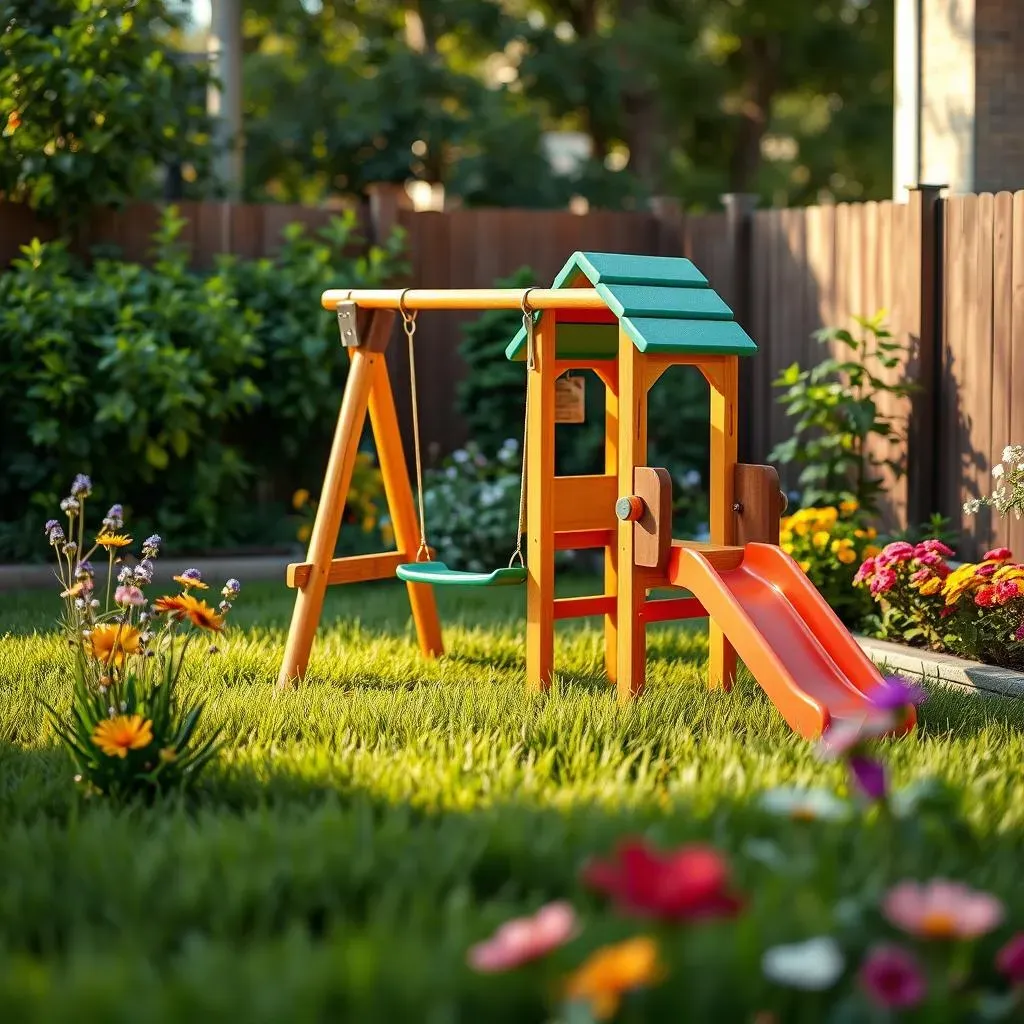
point(949, 271)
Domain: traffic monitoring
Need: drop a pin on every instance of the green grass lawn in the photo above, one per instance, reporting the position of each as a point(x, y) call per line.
point(358, 834)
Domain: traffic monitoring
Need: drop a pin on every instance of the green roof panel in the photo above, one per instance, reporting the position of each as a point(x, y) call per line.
point(679, 337)
point(659, 300)
point(664, 303)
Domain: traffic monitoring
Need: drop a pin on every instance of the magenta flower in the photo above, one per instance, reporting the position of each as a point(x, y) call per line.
point(941, 909)
point(892, 978)
point(1018, 633)
point(898, 551)
point(998, 555)
point(884, 581)
point(867, 568)
point(128, 595)
point(525, 938)
point(921, 575)
point(986, 570)
point(869, 775)
point(935, 547)
point(1010, 959)
point(895, 692)
point(929, 558)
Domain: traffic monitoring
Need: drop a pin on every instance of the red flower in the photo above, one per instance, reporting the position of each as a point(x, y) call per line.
point(986, 596)
point(691, 883)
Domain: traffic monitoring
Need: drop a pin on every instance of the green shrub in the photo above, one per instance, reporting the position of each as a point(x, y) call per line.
point(196, 394)
point(93, 103)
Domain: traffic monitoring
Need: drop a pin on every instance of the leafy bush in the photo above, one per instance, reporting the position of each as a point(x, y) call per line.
point(199, 394)
point(835, 406)
point(829, 543)
point(974, 610)
point(126, 731)
point(94, 102)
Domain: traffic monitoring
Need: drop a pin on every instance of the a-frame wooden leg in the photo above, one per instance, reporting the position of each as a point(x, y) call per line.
point(611, 553)
point(394, 470)
point(724, 383)
point(309, 598)
point(632, 452)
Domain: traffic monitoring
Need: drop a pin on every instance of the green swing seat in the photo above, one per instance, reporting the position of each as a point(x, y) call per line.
point(438, 574)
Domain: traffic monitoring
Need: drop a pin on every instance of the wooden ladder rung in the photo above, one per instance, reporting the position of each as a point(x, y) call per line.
point(580, 607)
point(352, 568)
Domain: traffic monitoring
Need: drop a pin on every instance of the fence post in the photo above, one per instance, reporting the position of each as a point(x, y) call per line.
point(739, 211)
point(668, 212)
point(924, 306)
point(387, 198)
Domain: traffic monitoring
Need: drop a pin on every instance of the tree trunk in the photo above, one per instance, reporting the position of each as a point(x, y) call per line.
point(760, 55)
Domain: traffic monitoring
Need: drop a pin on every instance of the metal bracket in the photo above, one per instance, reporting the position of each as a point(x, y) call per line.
point(347, 324)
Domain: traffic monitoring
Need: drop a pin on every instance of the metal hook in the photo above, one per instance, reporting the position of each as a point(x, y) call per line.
point(407, 317)
point(528, 326)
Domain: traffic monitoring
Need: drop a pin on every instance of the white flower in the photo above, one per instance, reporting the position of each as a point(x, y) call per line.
point(813, 966)
point(805, 804)
point(997, 470)
point(461, 456)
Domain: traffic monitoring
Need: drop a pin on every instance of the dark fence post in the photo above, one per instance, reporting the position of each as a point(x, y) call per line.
point(924, 303)
point(668, 213)
point(739, 211)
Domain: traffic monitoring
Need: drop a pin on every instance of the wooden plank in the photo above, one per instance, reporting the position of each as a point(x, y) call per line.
point(584, 502)
point(671, 609)
point(1015, 381)
point(611, 553)
point(353, 568)
point(759, 500)
point(1002, 341)
point(722, 557)
point(977, 400)
point(576, 540)
point(722, 484)
point(540, 505)
point(583, 607)
point(632, 451)
point(950, 443)
point(652, 532)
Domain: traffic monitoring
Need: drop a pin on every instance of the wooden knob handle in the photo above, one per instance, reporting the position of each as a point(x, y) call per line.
point(785, 501)
point(629, 509)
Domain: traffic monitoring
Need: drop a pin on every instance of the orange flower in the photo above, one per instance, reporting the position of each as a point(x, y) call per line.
point(175, 605)
point(110, 642)
point(13, 123)
point(112, 541)
point(200, 614)
point(116, 736)
point(611, 972)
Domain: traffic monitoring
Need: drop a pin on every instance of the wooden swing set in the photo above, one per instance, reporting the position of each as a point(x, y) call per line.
point(628, 319)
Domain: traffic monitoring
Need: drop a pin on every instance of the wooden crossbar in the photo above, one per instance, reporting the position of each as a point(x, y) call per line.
point(672, 608)
point(584, 502)
point(465, 298)
point(576, 540)
point(352, 568)
point(580, 607)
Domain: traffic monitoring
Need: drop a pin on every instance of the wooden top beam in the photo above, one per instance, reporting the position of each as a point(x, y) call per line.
point(465, 298)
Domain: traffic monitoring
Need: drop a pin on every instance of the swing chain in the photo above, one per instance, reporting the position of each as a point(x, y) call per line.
point(517, 555)
point(409, 326)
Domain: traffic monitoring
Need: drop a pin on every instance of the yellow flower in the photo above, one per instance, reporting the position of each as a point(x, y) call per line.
point(186, 579)
point(820, 539)
point(871, 550)
point(930, 587)
point(786, 536)
point(110, 642)
point(368, 523)
point(805, 565)
point(111, 541)
point(800, 528)
point(788, 548)
point(842, 544)
point(387, 532)
point(848, 507)
point(299, 498)
point(75, 590)
point(1008, 572)
point(304, 532)
point(872, 533)
point(168, 755)
point(608, 974)
point(846, 555)
point(116, 736)
point(786, 523)
point(827, 517)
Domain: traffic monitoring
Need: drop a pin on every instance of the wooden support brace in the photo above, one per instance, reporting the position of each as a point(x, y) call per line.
point(581, 607)
point(353, 568)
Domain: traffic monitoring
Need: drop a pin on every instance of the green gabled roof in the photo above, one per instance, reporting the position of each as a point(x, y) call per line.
point(664, 304)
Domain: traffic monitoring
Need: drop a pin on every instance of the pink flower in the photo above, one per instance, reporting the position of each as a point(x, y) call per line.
point(935, 547)
point(845, 734)
point(929, 558)
point(921, 575)
point(941, 909)
point(129, 596)
point(525, 938)
point(884, 581)
point(998, 555)
point(898, 551)
point(867, 567)
point(1007, 591)
point(893, 978)
point(1018, 633)
point(986, 570)
point(1010, 959)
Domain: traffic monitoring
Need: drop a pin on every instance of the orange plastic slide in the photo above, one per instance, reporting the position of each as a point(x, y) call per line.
point(792, 642)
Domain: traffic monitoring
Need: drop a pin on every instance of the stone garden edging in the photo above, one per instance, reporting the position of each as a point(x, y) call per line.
point(988, 680)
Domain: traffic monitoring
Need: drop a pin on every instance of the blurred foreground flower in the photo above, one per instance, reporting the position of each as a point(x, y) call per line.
point(1010, 959)
point(525, 938)
point(893, 978)
point(603, 979)
point(941, 909)
point(691, 883)
point(813, 966)
point(805, 804)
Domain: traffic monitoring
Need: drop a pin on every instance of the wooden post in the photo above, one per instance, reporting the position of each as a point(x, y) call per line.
point(632, 451)
point(309, 599)
point(611, 553)
point(540, 515)
point(393, 469)
point(724, 381)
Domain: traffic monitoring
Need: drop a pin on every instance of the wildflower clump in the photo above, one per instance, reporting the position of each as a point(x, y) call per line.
point(828, 544)
point(127, 731)
point(1008, 491)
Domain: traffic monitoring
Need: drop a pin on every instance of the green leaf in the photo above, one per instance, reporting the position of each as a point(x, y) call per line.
point(156, 455)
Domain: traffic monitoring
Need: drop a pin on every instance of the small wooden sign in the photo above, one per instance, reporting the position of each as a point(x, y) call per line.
point(570, 400)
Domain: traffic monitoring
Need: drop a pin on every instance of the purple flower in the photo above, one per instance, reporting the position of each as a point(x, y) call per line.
point(192, 574)
point(896, 692)
point(84, 569)
point(56, 535)
point(869, 775)
point(51, 525)
point(231, 588)
point(893, 978)
point(81, 486)
point(151, 546)
point(114, 519)
point(70, 505)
